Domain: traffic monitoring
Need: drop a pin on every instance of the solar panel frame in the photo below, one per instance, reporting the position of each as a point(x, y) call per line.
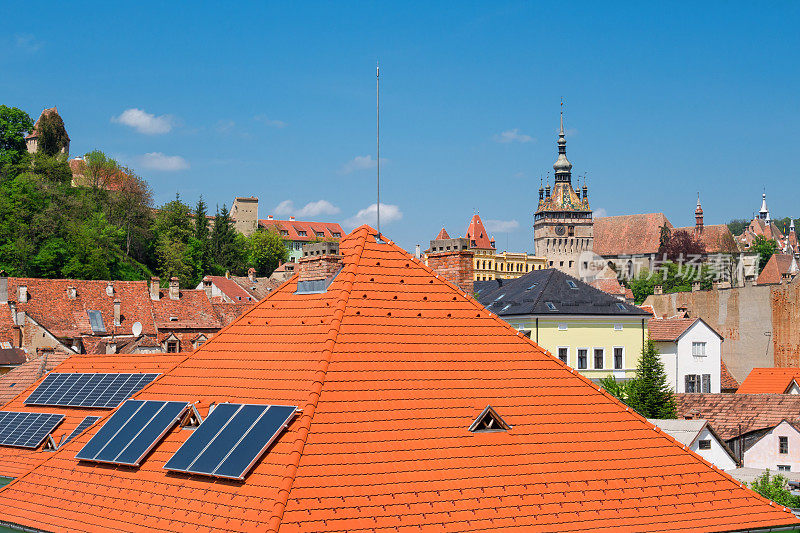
point(132, 431)
point(85, 424)
point(87, 389)
point(26, 430)
point(200, 445)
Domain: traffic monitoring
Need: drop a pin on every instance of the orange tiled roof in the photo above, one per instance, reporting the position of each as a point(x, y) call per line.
point(442, 235)
point(390, 366)
point(16, 461)
point(669, 329)
point(776, 267)
point(609, 286)
point(727, 381)
point(477, 235)
point(715, 238)
point(769, 380)
point(192, 310)
point(736, 414)
point(628, 234)
point(20, 378)
point(231, 289)
point(299, 230)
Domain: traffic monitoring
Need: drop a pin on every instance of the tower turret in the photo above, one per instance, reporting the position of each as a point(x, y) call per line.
point(562, 166)
point(698, 217)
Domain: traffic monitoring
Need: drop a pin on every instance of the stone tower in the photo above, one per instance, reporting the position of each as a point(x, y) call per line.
point(563, 227)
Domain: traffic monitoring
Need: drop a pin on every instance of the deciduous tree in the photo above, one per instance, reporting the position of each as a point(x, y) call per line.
point(266, 251)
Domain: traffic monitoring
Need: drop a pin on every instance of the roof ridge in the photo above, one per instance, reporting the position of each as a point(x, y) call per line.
point(285, 490)
point(541, 292)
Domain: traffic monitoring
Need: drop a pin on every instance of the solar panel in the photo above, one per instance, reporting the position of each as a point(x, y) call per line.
point(231, 439)
point(83, 426)
point(87, 389)
point(26, 430)
point(132, 431)
point(96, 321)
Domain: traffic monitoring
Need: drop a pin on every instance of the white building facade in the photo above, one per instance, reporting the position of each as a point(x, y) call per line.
point(698, 436)
point(778, 449)
point(691, 352)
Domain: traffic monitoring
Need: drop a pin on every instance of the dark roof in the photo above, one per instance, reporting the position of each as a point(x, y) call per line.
point(531, 294)
point(12, 356)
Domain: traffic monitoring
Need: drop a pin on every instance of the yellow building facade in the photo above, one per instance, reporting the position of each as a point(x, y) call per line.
point(491, 264)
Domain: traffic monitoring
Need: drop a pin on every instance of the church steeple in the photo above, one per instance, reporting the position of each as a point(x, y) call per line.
point(562, 166)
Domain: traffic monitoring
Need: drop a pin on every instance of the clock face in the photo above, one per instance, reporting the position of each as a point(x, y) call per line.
point(560, 230)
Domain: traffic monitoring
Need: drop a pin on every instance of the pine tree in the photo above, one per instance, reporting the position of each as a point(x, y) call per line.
point(650, 395)
point(202, 235)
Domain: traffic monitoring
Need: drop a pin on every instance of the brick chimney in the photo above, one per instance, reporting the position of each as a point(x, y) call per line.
point(117, 312)
point(155, 288)
point(320, 260)
point(207, 286)
point(174, 288)
point(658, 289)
point(16, 337)
point(251, 274)
point(23, 294)
point(72, 292)
point(453, 260)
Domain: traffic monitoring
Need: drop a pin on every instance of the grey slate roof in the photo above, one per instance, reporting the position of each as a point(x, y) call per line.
point(531, 294)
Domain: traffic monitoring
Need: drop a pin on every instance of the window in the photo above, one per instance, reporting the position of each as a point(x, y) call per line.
point(572, 284)
point(320, 233)
point(617, 327)
point(618, 357)
point(563, 354)
point(621, 307)
point(784, 468)
point(582, 356)
point(704, 444)
point(550, 306)
point(302, 233)
point(489, 421)
point(173, 346)
point(697, 383)
point(284, 233)
point(599, 356)
point(699, 349)
point(562, 327)
point(783, 444)
point(336, 234)
point(706, 382)
point(298, 246)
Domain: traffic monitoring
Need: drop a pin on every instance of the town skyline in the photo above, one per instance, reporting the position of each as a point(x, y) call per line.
point(300, 134)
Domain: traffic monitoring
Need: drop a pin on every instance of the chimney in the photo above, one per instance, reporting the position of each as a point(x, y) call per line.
point(117, 314)
point(291, 218)
point(16, 337)
point(13, 306)
point(251, 274)
point(269, 217)
point(417, 252)
point(174, 288)
point(321, 260)
point(3, 286)
point(23, 294)
point(658, 289)
point(453, 262)
point(72, 292)
point(695, 285)
point(207, 286)
point(110, 289)
point(155, 288)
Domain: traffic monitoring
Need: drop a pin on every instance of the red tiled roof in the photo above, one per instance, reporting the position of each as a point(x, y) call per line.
point(669, 329)
point(714, 238)
point(16, 461)
point(292, 230)
point(609, 286)
point(231, 289)
point(769, 380)
point(18, 379)
point(262, 286)
point(477, 235)
point(776, 267)
point(628, 234)
point(192, 310)
point(736, 414)
point(49, 305)
point(229, 312)
point(442, 235)
point(113, 181)
point(12, 356)
point(727, 381)
point(390, 366)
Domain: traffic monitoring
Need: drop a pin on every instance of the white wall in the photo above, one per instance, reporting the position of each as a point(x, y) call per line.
point(764, 453)
point(689, 364)
point(716, 455)
point(668, 351)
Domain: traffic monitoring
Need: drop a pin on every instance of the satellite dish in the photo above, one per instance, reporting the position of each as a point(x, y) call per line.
point(137, 329)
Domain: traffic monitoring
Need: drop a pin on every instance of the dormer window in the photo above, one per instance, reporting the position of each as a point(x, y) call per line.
point(489, 421)
point(550, 306)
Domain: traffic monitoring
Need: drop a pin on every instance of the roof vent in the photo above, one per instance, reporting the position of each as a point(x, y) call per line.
point(191, 419)
point(489, 421)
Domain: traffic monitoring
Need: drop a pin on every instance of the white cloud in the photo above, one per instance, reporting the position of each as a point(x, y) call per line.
point(311, 209)
point(159, 161)
point(360, 162)
point(270, 122)
point(225, 126)
point(510, 136)
point(27, 42)
point(389, 213)
point(501, 226)
point(599, 212)
point(145, 122)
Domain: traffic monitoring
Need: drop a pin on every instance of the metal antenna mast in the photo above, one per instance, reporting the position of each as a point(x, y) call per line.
point(378, 136)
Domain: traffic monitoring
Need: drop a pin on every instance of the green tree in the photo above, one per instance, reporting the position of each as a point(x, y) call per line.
point(202, 235)
point(649, 394)
point(228, 247)
point(765, 248)
point(130, 207)
point(14, 123)
point(776, 488)
point(177, 252)
point(99, 171)
point(52, 134)
point(738, 225)
point(266, 250)
point(619, 389)
point(672, 277)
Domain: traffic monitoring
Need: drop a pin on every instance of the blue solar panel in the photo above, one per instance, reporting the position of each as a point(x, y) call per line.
point(26, 430)
point(132, 431)
point(104, 391)
point(231, 439)
point(80, 428)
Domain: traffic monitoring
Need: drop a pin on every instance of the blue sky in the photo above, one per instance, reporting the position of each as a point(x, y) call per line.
point(662, 100)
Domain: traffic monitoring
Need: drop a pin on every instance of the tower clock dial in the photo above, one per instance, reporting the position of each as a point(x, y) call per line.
point(560, 230)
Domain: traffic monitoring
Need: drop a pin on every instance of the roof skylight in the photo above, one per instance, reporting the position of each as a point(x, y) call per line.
point(621, 307)
point(572, 284)
point(551, 306)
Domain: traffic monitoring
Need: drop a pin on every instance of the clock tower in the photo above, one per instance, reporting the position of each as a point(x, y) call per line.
point(562, 226)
